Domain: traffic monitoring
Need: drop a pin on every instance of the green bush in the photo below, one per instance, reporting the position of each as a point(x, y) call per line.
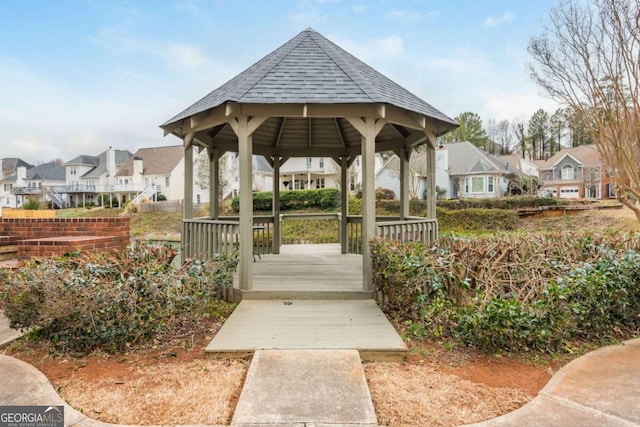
point(324, 198)
point(161, 197)
point(514, 202)
point(513, 293)
point(474, 220)
point(31, 205)
point(110, 300)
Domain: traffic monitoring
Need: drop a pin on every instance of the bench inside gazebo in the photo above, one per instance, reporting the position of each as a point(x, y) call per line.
point(308, 98)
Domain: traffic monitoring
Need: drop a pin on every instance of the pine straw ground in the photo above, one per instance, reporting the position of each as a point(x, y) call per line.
point(172, 382)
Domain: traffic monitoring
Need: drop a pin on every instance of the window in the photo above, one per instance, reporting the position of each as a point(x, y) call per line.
point(567, 172)
point(320, 183)
point(477, 184)
point(166, 181)
point(490, 184)
point(309, 160)
point(72, 170)
point(321, 162)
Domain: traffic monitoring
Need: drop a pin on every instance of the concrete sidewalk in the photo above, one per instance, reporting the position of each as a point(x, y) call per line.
point(601, 388)
point(6, 333)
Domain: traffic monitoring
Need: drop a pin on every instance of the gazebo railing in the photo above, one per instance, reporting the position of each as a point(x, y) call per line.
point(407, 230)
point(204, 237)
point(392, 228)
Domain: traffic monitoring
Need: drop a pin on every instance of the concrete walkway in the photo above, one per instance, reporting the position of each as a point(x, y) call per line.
point(305, 387)
point(6, 333)
point(308, 325)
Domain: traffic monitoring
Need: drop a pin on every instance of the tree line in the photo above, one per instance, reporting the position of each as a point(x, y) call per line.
point(538, 138)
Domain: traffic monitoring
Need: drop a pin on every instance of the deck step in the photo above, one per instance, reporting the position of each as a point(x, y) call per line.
point(303, 295)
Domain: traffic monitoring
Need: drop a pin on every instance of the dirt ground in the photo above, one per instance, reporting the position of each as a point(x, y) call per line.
point(438, 385)
point(434, 386)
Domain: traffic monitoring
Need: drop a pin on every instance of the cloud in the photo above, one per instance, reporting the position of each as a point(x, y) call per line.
point(390, 47)
point(411, 15)
point(307, 14)
point(187, 55)
point(494, 21)
point(359, 8)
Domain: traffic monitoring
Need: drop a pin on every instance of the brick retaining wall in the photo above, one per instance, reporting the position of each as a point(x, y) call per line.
point(54, 236)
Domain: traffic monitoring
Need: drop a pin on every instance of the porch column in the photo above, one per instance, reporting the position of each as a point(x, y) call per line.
point(431, 177)
point(344, 206)
point(245, 151)
point(188, 176)
point(214, 183)
point(404, 155)
point(276, 205)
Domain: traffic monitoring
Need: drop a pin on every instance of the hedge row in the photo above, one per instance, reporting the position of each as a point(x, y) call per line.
point(325, 198)
point(514, 293)
point(513, 202)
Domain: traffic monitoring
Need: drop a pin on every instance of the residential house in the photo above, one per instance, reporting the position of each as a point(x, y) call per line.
point(9, 167)
point(88, 176)
point(35, 183)
point(577, 172)
point(465, 171)
point(156, 171)
point(388, 175)
point(527, 167)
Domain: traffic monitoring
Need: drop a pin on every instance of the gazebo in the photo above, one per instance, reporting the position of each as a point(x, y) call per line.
point(308, 98)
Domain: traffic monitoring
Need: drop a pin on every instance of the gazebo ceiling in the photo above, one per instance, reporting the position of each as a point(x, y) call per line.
point(308, 92)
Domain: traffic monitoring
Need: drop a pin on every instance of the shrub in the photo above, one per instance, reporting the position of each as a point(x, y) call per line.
point(385, 194)
point(161, 197)
point(515, 202)
point(513, 292)
point(110, 300)
point(325, 198)
point(31, 205)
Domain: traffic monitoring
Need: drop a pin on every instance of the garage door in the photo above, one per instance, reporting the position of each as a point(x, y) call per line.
point(569, 193)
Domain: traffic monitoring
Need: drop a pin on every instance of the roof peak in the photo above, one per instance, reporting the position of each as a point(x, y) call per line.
point(311, 69)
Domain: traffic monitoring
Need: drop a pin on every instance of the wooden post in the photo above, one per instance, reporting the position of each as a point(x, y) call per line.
point(245, 151)
point(368, 147)
point(344, 195)
point(431, 179)
point(404, 155)
point(276, 205)
point(188, 176)
point(214, 183)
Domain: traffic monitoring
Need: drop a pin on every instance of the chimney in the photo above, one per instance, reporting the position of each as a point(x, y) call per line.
point(138, 168)
point(21, 176)
point(111, 165)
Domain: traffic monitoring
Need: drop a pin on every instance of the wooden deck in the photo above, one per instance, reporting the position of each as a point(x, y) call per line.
point(307, 272)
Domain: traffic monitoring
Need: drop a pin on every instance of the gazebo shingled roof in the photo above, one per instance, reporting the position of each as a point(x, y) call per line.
point(311, 69)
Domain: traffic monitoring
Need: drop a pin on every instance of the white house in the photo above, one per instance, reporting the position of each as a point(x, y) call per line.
point(9, 167)
point(157, 171)
point(464, 170)
point(35, 183)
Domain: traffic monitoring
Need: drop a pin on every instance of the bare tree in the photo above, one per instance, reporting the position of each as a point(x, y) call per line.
point(202, 174)
point(506, 136)
point(588, 59)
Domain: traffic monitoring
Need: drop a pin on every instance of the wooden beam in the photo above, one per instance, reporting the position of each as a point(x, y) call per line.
point(340, 132)
point(401, 130)
point(255, 123)
point(280, 130)
point(188, 140)
point(214, 117)
point(172, 127)
point(197, 118)
point(405, 118)
point(309, 110)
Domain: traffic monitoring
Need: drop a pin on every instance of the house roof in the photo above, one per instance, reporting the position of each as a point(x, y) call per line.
point(121, 157)
point(156, 160)
point(44, 172)
point(83, 160)
point(311, 69)
point(588, 155)
point(465, 158)
point(9, 166)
